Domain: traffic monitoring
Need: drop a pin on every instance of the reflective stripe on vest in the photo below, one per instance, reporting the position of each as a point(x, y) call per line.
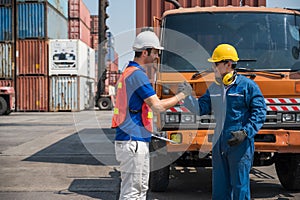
point(121, 106)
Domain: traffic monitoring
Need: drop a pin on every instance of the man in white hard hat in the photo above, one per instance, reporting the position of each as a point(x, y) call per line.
point(135, 101)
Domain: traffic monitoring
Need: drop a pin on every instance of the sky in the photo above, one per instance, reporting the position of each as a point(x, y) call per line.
point(121, 22)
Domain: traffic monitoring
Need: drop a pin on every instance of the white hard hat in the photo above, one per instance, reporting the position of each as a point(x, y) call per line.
point(146, 39)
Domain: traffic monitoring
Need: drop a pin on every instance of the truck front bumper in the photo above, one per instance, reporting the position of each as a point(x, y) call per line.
point(282, 141)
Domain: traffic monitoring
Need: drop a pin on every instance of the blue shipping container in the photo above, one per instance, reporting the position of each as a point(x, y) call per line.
point(5, 2)
point(33, 22)
point(60, 5)
point(5, 24)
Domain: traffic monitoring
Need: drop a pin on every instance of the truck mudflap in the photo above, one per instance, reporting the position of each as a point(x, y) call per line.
point(281, 141)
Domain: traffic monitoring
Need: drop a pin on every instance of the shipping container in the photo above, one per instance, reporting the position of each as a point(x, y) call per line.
point(32, 57)
point(60, 5)
point(7, 83)
point(94, 24)
point(91, 62)
point(71, 93)
point(78, 10)
point(6, 57)
point(147, 9)
point(32, 93)
point(39, 20)
point(70, 57)
point(5, 2)
point(6, 24)
point(94, 41)
point(78, 30)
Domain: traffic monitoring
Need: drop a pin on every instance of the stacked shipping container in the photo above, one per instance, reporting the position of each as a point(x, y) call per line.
point(72, 75)
point(38, 21)
point(26, 54)
point(79, 21)
point(6, 44)
point(94, 31)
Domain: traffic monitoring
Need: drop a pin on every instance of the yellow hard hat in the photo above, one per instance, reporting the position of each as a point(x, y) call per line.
point(224, 52)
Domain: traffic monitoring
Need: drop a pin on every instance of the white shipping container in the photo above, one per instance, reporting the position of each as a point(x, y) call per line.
point(71, 93)
point(71, 57)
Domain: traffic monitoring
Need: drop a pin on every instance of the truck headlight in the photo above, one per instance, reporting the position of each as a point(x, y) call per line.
point(288, 117)
point(183, 118)
point(172, 119)
point(298, 118)
point(187, 118)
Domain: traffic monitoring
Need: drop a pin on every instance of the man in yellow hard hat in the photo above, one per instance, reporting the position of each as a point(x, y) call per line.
point(239, 109)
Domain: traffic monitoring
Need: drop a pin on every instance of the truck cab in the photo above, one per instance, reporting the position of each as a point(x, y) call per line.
point(268, 44)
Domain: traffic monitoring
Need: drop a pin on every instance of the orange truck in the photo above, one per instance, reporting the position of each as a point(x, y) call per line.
point(268, 44)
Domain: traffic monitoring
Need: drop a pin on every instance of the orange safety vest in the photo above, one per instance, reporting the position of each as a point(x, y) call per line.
point(121, 108)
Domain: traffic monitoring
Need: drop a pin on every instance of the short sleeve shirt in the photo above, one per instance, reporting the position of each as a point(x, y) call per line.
point(138, 88)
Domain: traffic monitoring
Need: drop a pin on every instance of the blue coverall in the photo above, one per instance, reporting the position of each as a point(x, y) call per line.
point(239, 106)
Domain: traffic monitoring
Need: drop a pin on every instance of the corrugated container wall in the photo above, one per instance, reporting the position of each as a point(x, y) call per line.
point(70, 57)
point(94, 41)
point(94, 24)
point(147, 9)
point(59, 5)
point(32, 93)
point(71, 93)
point(7, 83)
point(78, 30)
point(77, 9)
point(6, 57)
point(5, 2)
point(5, 23)
point(33, 22)
point(32, 57)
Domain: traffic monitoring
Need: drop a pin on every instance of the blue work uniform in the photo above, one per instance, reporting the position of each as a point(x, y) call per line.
point(239, 106)
point(138, 88)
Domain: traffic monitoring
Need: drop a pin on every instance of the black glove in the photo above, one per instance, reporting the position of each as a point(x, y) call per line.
point(185, 87)
point(238, 137)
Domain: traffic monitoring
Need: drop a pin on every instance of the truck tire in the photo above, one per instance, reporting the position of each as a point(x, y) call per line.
point(288, 170)
point(3, 106)
point(159, 179)
point(104, 103)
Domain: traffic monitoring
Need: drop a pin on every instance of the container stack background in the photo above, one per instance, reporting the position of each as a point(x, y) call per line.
point(26, 60)
point(6, 44)
point(37, 22)
point(72, 64)
point(79, 21)
point(72, 75)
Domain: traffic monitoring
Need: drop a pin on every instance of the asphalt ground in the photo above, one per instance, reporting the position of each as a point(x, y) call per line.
point(70, 155)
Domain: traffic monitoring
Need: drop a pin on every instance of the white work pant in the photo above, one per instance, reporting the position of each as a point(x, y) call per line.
point(134, 166)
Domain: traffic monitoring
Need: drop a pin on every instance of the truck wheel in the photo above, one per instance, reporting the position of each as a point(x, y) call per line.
point(104, 103)
point(3, 106)
point(159, 179)
point(288, 170)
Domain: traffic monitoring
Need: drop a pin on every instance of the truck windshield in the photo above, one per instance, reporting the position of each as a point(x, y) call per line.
point(264, 41)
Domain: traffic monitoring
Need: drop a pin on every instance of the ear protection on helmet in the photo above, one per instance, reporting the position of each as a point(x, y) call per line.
point(227, 78)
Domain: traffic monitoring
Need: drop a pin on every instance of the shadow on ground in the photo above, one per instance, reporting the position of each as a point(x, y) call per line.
point(88, 146)
point(105, 188)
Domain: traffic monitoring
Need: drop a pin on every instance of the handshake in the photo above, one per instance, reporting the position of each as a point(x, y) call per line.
point(185, 88)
